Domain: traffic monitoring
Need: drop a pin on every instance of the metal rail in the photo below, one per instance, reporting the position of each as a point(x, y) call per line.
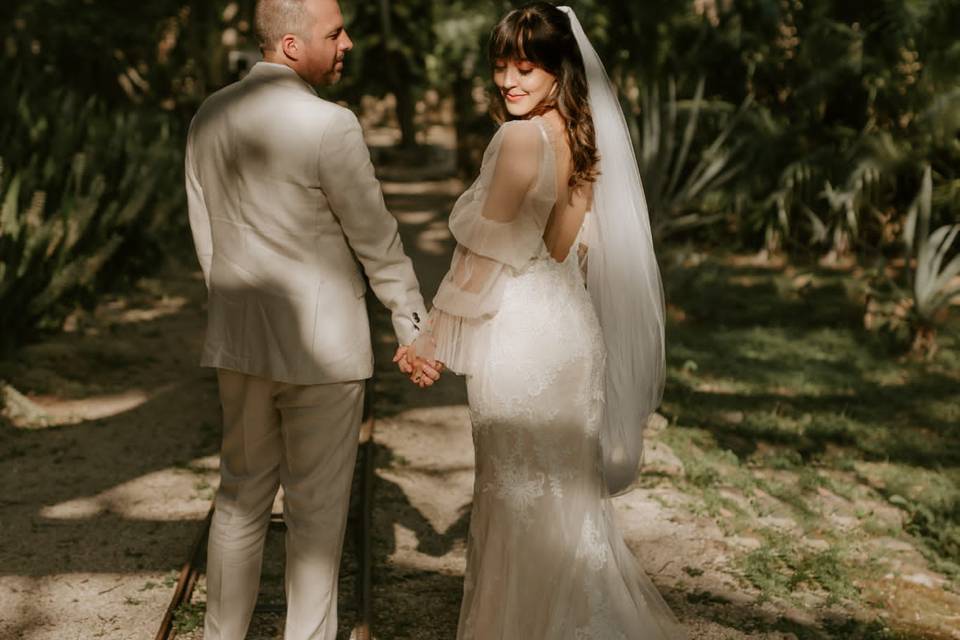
point(187, 580)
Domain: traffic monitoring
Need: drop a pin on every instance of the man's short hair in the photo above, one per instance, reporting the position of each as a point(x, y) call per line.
point(275, 18)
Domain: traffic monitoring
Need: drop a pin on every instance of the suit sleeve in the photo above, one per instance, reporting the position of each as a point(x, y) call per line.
point(347, 178)
point(197, 210)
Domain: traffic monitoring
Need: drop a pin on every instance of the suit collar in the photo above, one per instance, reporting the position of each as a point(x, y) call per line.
point(264, 71)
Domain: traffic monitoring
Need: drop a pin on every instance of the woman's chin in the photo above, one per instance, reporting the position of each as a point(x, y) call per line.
point(518, 110)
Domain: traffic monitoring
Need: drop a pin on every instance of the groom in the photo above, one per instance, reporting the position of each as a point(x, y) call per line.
point(283, 204)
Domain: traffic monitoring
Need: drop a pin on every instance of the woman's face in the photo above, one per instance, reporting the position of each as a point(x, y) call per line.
point(523, 85)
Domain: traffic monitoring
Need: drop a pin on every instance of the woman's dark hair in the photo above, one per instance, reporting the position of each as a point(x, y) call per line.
point(540, 33)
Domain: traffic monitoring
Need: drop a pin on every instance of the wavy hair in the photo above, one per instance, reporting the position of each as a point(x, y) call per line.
point(541, 34)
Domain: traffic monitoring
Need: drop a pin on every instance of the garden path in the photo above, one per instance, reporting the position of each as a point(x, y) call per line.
point(105, 491)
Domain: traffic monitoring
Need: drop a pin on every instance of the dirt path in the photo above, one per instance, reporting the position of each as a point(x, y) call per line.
point(104, 493)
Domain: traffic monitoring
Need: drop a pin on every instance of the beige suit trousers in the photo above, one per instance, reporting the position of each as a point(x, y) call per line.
point(303, 437)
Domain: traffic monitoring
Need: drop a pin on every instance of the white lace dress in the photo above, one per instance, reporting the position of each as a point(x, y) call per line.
point(545, 560)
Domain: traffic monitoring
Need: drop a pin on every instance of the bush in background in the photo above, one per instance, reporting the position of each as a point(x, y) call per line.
point(90, 195)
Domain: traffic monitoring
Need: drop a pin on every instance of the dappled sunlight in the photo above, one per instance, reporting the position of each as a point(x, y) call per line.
point(417, 218)
point(59, 412)
point(805, 481)
point(756, 260)
point(411, 560)
point(434, 240)
point(153, 497)
point(800, 430)
point(917, 603)
point(82, 605)
point(125, 311)
point(748, 280)
point(720, 387)
point(449, 188)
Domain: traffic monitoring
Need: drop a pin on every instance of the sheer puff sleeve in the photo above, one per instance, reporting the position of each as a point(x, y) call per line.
point(498, 224)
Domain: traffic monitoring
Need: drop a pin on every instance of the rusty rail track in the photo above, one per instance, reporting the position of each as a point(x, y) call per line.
point(190, 570)
point(189, 573)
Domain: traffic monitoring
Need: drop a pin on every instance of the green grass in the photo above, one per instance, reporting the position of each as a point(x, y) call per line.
point(188, 616)
point(787, 411)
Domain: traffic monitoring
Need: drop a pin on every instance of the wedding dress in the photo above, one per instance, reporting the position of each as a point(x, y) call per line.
point(545, 560)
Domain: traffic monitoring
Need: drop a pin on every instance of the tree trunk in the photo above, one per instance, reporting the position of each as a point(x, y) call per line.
point(406, 107)
point(399, 80)
point(463, 115)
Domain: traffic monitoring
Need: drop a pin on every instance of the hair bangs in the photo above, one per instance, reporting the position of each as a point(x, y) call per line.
point(518, 38)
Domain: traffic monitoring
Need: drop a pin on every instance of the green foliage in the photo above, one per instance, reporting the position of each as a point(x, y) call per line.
point(188, 617)
point(847, 102)
point(933, 282)
point(156, 53)
point(779, 566)
point(854, 96)
point(87, 195)
point(675, 182)
point(94, 105)
point(918, 309)
point(803, 414)
point(392, 40)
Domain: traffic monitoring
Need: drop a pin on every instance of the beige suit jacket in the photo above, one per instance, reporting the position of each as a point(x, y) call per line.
point(284, 209)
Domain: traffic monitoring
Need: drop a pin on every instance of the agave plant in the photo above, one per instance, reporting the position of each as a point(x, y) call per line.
point(788, 201)
point(916, 311)
point(933, 283)
point(677, 171)
point(848, 203)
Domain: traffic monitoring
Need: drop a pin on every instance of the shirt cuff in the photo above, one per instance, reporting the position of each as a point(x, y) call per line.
point(407, 326)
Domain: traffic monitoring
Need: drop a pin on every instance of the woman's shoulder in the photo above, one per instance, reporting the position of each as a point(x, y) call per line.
point(519, 136)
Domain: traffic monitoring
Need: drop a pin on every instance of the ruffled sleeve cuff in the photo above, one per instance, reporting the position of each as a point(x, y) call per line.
point(459, 343)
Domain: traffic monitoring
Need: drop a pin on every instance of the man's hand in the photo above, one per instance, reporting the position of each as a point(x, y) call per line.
point(422, 372)
point(400, 359)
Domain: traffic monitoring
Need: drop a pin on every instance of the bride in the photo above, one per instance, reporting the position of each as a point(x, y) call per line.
point(553, 310)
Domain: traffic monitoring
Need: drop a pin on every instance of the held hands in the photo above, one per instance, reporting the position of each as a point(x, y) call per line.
point(422, 372)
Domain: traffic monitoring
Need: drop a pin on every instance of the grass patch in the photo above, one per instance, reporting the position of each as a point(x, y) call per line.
point(780, 566)
point(790, 417)
point(188, 616)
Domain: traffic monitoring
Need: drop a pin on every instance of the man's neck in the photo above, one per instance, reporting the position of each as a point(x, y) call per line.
point(276, 58)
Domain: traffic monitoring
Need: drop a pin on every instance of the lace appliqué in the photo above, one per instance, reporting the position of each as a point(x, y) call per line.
point(558, 463)
point(602, 624)
point(557, 333)
point(593, 547)
point(516, 488)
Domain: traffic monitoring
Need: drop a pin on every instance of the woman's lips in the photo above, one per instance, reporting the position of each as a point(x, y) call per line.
point(513, 98)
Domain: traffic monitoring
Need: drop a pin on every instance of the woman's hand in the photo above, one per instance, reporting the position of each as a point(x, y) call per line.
point(422, 372)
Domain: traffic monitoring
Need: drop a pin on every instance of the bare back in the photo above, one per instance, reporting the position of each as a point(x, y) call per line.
point(571, 209)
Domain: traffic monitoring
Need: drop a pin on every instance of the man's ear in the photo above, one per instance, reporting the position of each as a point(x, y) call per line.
point(291, 46)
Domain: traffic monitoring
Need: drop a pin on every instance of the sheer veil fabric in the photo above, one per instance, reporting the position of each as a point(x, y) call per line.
point(623, 281)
